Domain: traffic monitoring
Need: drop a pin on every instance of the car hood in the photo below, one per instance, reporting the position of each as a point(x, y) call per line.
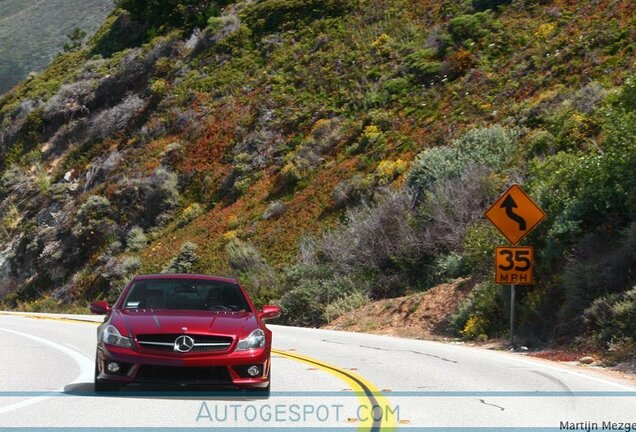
point(234, 324)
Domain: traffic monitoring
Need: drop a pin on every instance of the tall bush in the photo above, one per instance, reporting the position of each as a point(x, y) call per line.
point(184, 261)
point(491, 147)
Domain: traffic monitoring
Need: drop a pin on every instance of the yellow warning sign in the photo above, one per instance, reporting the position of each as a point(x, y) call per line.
point(515, 214)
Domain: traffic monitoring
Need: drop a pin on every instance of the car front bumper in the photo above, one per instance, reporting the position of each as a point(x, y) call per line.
point(227, 369)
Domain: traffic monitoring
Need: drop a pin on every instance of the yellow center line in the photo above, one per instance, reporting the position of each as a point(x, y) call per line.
point(44, 317)
point(377, 405)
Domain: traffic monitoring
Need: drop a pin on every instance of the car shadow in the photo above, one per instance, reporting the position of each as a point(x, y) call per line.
point(174, 392)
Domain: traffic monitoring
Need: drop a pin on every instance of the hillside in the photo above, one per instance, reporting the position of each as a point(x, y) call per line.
point(421, 315)
point(333, 152)
point(32, 32)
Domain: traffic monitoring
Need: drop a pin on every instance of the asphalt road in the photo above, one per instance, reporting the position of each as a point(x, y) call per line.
point(322, 379)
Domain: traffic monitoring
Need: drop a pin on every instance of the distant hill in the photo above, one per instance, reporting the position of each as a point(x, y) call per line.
point(32, 32)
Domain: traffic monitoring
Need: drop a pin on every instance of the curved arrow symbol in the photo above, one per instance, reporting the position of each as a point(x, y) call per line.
point(509, 204)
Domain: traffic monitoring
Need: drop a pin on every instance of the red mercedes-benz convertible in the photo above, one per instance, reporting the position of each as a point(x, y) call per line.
point(183, 329)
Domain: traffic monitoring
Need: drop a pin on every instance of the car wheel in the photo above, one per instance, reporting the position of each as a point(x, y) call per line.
point(103, 386)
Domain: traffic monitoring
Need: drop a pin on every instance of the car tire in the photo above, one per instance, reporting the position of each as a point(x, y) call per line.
point(104, 386)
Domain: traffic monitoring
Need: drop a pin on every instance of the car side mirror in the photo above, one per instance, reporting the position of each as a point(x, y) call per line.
point(100, 308)
point(269, 312)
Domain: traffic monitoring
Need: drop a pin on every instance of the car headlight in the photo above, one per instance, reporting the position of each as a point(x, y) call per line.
point(256, 339)
point(112, 336)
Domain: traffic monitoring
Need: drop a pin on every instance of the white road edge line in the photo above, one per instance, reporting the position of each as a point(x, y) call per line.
point(85, 364)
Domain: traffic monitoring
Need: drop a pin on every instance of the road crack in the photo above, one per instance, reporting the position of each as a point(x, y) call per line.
point(395, 350)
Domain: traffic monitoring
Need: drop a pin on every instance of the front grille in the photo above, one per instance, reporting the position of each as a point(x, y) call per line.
point(191, 375)
point(202, 343)
point(209, 348)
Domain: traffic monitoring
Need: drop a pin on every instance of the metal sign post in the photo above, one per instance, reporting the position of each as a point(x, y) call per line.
point(512, 316)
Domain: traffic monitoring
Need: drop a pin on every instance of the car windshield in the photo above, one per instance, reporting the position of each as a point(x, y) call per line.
point(174, 294)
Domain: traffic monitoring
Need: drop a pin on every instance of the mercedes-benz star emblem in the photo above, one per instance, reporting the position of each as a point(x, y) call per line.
point(183, 344)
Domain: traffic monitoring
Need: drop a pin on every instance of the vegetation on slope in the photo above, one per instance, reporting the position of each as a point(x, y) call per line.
point(331, 152)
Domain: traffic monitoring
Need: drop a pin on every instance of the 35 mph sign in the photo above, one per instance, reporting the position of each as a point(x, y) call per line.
point(514, 265)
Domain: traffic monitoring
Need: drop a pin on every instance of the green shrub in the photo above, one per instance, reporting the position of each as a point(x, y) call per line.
point(432, 165)
point(451, 8)
point(448, 267)
point(30, 135)
point(490, 147)
point(397, 86)
point(626, 97)
point(163, 66)
point(243, 257)
point(353, 190)
point(275, 15)
point(423, 65)
point(177, 13)
point(612, 318)
point(482, 312)
point(480, 241)
point(541, 143)
point(302, 306)
point(130, 264)
point(184, 261)
point(43, 179)
point(93, 226)
point(372, 141)
point(148, 200)
point(481, 5)
point(470, 27)
point(215, 23)
point(190, 213)
point(75, 39)
point(301, 162)
point(172, 155)
point(344, 305)
point(11, 218)
point(309, 289)
point(136, 239)
point(159, 88)
point(571, 129)
point(45, 304)
point(95, 207)
point(259, 278)
point(597, 270)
